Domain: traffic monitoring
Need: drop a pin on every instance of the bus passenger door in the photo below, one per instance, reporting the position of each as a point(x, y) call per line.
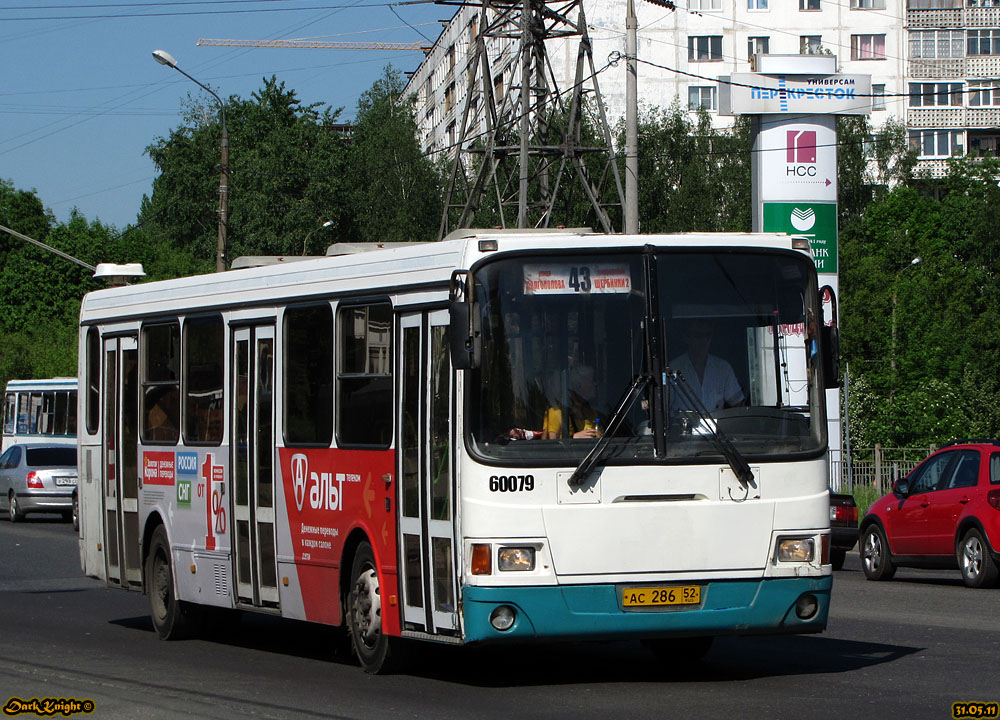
point(425, 472)
point(121, 470)
point(252, 444)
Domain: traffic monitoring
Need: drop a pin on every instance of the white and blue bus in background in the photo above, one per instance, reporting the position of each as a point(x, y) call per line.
point(40, 411)
point(501, 437)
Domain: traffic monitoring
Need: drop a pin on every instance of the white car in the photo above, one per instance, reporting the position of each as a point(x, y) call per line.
point(38, 477)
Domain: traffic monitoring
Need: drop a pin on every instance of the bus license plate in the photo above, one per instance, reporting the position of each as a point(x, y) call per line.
point(641, 597)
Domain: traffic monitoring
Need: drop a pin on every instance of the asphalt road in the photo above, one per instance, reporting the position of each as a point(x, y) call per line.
point(908, 648)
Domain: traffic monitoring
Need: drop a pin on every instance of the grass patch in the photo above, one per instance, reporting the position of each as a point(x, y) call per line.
point(864, 496)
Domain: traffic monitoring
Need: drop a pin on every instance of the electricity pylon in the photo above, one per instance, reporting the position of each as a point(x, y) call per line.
point(514, 150)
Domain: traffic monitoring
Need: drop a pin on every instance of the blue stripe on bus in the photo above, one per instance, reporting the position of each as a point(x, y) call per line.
point(593, 611)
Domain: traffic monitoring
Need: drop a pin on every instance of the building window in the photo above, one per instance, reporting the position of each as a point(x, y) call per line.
point(878, 97)
point(705, 5)
point(809, 5)
point(449, 98)
point(757, 46)
point(703, 96)
point(984, 42)
point(705, 48)
point(936, 143)
point(867, 4)
point(935, 95)
point(756, 4)
point(810, 44)
point(980, 3)
point(984, 93)
point(937, 44)
point(933, 4)
point(867, 47)
point(982, 145)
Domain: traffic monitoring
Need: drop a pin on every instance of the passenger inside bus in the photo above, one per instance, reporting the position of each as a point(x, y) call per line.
point(580, 419)
point(163, 414)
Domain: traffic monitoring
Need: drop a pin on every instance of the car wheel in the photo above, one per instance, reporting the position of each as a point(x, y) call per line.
point(975, 561)
point(13, 509)
point(376, 652)
point(75, 515)
point(172, 619)
point(875, 557)
point(837, 558)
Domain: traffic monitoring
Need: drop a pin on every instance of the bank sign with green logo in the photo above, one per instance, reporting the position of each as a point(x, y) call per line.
point(816, 221)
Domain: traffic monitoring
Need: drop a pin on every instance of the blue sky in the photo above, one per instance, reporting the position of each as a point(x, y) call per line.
point(82, 97)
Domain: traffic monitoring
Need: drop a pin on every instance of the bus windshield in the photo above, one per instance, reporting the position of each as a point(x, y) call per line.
point(564, 340)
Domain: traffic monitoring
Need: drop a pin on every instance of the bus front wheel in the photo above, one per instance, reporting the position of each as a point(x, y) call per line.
point(172, 619)
point(376, 652)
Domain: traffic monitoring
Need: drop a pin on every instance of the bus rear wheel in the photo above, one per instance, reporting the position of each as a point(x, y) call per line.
point(376, 652)
point(172, 619)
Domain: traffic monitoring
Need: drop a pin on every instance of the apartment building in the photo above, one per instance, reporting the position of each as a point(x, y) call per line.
point(935, 64)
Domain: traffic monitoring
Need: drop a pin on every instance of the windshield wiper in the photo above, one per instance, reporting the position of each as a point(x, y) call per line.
point(642, 381)
point(736, 461)
point(597, 453)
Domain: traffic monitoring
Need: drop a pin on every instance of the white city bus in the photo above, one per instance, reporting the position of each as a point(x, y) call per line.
point(333, 440)
point(40, 411)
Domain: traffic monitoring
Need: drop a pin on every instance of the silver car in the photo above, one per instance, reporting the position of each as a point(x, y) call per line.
point(38, 477)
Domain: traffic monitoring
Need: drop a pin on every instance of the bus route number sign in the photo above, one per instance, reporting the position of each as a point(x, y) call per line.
point(559, 279)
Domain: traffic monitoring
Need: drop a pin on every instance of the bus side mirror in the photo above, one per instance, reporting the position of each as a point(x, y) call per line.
point(464, 335)
point(831, 357)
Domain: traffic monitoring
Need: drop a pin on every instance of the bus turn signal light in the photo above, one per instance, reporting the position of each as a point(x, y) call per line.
point(481, 561)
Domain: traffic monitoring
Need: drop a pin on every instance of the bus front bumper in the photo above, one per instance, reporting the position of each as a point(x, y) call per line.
point(595, 611)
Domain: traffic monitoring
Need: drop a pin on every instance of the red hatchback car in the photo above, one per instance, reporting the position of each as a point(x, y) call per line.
point(946, 513)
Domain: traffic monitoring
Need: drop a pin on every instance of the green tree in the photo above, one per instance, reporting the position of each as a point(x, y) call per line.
point(396, 189)
point(924, 335)
point(869, 163)
point(288, 175)
point(692, 176)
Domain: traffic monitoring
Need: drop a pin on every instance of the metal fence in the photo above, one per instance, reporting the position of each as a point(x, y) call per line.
point(876, 467)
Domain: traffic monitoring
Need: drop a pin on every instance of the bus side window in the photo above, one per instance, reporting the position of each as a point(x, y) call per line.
point(364, 375)
point(204, 354)
point(92, 382)
point(9, 413)
point(160, 383)
point(308, 379)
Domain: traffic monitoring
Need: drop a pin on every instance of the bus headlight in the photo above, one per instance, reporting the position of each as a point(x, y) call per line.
point(516, 559)
point(796, 550)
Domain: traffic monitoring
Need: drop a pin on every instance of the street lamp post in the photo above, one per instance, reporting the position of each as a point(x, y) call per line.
point(305, 242)
point(631, 122)
point(165, 58)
